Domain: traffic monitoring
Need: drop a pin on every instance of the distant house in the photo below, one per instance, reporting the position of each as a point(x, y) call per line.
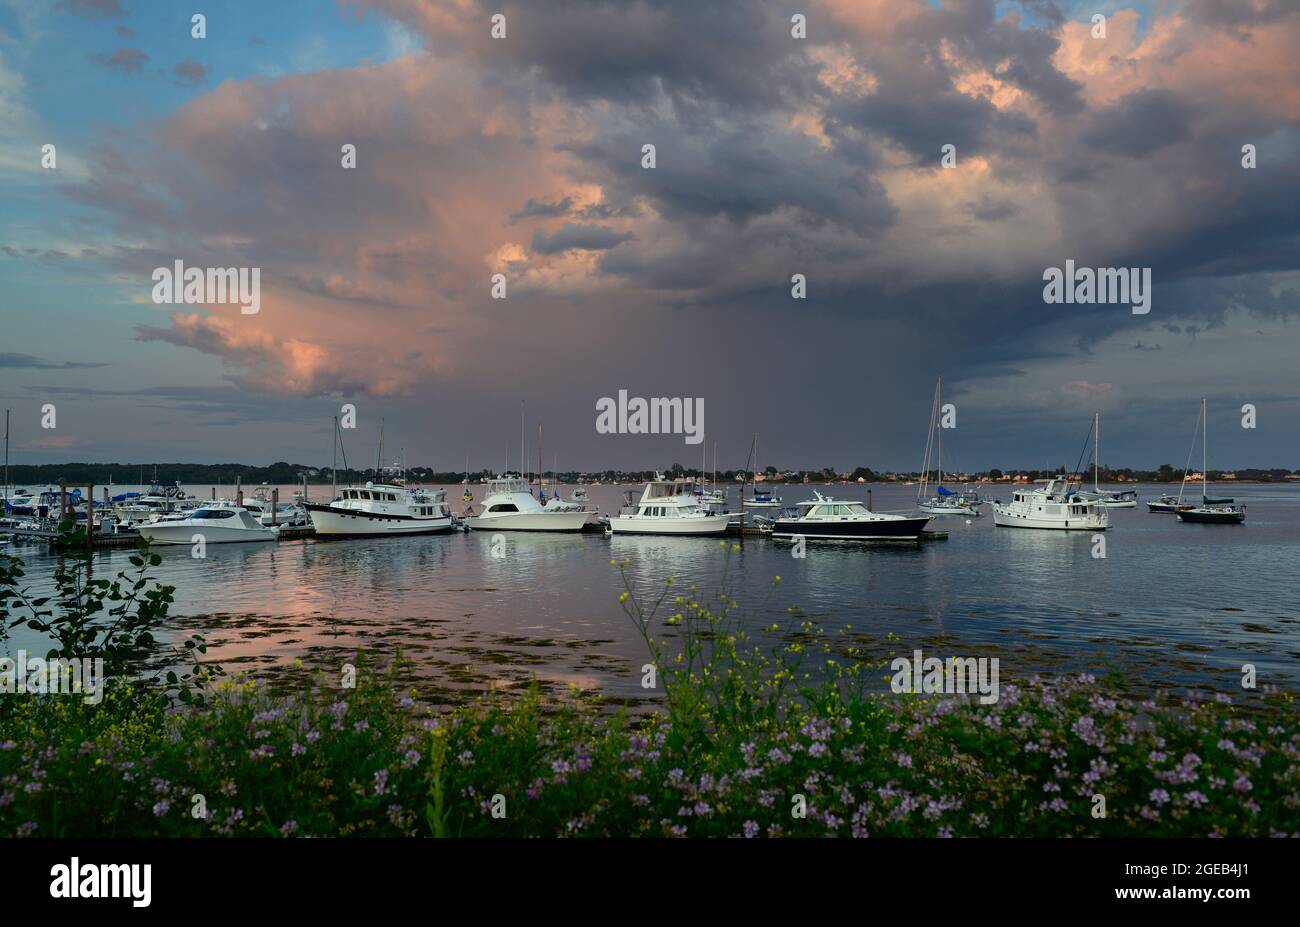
point(1227, 476)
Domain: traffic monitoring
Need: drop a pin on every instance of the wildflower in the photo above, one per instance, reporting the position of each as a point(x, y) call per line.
point(288, 827)
point(751, 829)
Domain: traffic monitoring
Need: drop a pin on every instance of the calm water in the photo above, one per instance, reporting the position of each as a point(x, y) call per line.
point(1171, 603)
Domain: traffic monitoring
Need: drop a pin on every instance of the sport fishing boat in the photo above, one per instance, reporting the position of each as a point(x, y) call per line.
point(667, 507)
point(510, 506)
point(1060, 505)
point(824, 518)
point(375, 509)
point(216, 525)
point(1211, 511)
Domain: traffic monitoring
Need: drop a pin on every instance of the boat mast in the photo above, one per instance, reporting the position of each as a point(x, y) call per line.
point(334, 466)
point(1096, 448)
point(379, 462)
point(1205, 451)
point(938, 394)
point(6, 459)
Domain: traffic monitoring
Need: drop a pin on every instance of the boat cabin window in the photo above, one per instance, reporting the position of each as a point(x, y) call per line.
point(214, 513)
point(504, 507)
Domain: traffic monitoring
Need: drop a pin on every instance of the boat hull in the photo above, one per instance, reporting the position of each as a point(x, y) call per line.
point(701, 525)
point(892, 529)
point(1194, 516)
point(1005, 518)
point(1167, 508)
point(170, 533)
point(967, 510)
point(330, 522)
point(528, 521)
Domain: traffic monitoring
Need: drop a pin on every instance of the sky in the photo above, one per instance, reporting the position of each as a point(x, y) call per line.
point(775, 156)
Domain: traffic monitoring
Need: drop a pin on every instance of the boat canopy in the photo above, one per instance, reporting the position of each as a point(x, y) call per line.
point(945, 491)
point(1206, 500)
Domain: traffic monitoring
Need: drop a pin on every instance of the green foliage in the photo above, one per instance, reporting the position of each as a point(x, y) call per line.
point(116, 620)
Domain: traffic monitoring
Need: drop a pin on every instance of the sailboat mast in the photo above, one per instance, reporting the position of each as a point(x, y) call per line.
point(1205, 451)
point(1096, 449)
point(939, 402)
point(6, 458)
point(334, 466)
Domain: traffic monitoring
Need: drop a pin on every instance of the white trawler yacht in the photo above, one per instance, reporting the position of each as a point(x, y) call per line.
point(1060, 505)
point(381, 509)
point(667, 507)
point(510, 506)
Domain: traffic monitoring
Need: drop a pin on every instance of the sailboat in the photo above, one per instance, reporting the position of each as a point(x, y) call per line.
point(1116, 499)
point(762, 498)
point(1211, 511)
point(945, 501)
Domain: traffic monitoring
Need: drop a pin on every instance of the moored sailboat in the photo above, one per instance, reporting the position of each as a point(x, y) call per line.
point(1211, 511)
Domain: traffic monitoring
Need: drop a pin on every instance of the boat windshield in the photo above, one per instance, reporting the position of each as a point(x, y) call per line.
point(213, 513)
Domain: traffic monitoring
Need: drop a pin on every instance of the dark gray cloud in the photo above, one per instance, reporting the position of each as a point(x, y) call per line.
point(123, 61)
point(92, 9)
point(30, 362)
point(580, 237)
point(534, 209)
point(190, 73)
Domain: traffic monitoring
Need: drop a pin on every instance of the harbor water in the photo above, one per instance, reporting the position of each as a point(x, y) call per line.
point(1166, 604)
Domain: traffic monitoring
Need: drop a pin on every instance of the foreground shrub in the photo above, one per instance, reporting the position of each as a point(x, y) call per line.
point(368, 762)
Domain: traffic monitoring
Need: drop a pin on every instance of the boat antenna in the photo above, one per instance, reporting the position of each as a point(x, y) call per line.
point(379, 461)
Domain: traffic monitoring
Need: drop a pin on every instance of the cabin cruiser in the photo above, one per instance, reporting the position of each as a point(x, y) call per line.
point(215, 524)
point(381, 509)
point(1059, 505)
point(1169, 504)
point(510, 506)
point(667, 507)
point(824, 518)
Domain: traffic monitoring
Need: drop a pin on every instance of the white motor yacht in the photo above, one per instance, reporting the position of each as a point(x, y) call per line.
point(216, 525)
point(510, 506)
point(668, 507)
point(381, 509)
point(1060, 505)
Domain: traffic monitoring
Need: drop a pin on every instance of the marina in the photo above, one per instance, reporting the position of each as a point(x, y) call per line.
point(1038, 597)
